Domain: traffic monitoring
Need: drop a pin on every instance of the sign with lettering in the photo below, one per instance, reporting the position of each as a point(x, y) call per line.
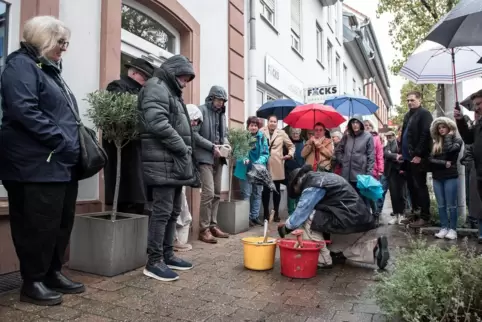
point(281, 79)
point(318, 94)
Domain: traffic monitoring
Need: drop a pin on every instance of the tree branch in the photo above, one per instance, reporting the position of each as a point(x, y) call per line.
point(433, 13)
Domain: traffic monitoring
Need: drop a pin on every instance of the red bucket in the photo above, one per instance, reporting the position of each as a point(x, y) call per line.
point(299, 262)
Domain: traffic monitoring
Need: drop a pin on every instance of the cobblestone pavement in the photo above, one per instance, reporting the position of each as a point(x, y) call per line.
point(219, 288)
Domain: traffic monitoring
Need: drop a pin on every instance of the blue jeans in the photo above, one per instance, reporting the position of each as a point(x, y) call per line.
point(252, 192)
point(446, 193)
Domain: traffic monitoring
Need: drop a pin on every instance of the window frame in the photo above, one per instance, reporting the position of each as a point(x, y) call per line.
point(329, 59)
point(265, 8)
point(320, 44)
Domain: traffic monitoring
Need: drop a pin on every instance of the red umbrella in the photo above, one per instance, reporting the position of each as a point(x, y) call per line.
point(306, 116)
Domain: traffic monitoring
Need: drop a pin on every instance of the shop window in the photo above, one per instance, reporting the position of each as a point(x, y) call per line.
point(147, 28)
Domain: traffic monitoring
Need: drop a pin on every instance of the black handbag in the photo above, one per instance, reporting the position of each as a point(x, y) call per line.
point(93, 157)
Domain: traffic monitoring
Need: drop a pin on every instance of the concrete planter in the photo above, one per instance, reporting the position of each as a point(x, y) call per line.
point(233, 217)
point(108, 248)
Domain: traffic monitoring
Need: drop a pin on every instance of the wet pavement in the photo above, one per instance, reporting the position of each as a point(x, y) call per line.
point(219, 288)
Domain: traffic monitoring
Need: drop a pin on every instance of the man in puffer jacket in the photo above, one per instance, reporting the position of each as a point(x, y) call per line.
point(167, 142)
point(356, 152)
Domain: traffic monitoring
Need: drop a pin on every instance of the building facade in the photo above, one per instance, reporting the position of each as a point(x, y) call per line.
point(361, 45)
point(107, 33)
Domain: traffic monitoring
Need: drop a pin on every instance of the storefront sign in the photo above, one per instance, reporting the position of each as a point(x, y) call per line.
point(281, 79)
point(318, 94)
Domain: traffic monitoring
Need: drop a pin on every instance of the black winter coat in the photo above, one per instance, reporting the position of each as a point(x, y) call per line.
point(341, 211)
point(473, 136)
point(39, 136)
point(390, 152)
point(165, 129)
point(132, 189)
point(418, 122)
point(450, 152)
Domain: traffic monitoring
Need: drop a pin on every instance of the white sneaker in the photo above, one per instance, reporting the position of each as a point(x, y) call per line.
point(394, 220)
point(401, 218)
point(452, 235)
point(442, 233)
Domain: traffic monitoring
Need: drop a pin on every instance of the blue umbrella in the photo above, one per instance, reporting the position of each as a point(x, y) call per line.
point(349, 105)
point(281, 108)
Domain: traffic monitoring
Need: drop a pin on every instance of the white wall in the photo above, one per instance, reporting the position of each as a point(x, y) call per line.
point(81, 64)
point(212, 16)
point(276, 42)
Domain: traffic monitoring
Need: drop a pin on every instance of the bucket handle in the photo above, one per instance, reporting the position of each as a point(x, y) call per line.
point(299, 237)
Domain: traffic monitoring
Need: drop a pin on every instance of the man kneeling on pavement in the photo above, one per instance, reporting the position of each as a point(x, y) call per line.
point(329, 204)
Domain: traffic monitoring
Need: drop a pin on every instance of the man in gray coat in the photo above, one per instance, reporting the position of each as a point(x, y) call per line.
point(213, 132)
point(167, 141)
point(356, 152)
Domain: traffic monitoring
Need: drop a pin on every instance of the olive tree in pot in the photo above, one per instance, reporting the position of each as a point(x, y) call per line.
point(233, 215)
point(111, 243)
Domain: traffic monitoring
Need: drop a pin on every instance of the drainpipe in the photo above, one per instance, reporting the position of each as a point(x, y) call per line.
point(252, 78)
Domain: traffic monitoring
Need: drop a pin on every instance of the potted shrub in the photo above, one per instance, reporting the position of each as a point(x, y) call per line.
point(233, 215)
point(111, 243)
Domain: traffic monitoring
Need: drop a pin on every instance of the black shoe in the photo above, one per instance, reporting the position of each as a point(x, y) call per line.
point(276, 218)
point(160, 271)
point(256, 222)
point(338, 257)
point(61, 283)
point(39, 294)
point(381, 252)
point(251, 223)
point(177, 263)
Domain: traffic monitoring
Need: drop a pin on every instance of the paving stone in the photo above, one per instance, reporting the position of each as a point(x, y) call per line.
point(71, 300)
point(107, 286)
point(366, 308)
point(273, 308)
point(27, 307)
point(189, 314)
point(286, 317)
point(380, 318)
point(250, 315)
point(133, 291)
point(343, 316)
point(124, 314)
point(93, 307)
point(91, 318)
point(219, 309)
point(299, 301)
point(8, 314)
point(60, 313)
point(8, 299)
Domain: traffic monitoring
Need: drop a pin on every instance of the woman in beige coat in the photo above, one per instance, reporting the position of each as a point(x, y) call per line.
point(318, 150)
point(277, 139)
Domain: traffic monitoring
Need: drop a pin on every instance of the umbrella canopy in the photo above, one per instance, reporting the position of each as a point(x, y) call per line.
point(460, 27)
point(306, 116)
point(436, 65)
point(349, 105)
point(281, 108)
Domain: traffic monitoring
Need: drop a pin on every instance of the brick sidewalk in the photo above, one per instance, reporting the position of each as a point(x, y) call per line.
point(219, 288)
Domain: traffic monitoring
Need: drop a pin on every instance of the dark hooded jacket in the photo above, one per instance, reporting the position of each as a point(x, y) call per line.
point(165, 129)
point(39, 136)
point(341, 211)
point(213, 129)
point(473, 135)
point(356, 152)
point(132, 189)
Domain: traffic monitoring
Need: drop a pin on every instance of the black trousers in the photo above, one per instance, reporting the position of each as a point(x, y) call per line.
point(41, 220)
point(266, 196)
point(395, 186)
point(418, 189)
point(166, 207)
point(131, 208)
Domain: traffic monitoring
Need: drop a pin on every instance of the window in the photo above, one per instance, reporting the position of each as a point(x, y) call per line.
point(345, 79)
point(337, 69)
point(330, 61)
point(268, 10)
point(147, 28)
point(360, 91)
point(336, 18)
point(296, 24)
point(319, 44)
point(259, 98)
point(331, 17)
point(354, 86)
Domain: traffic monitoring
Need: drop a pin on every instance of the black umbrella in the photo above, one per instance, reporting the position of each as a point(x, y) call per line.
point(259, 174)
point(462, 26)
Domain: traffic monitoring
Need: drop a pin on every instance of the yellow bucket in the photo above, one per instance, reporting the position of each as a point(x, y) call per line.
point(259, 256)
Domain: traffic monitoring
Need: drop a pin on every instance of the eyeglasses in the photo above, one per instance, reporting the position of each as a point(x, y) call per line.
point(63, 44)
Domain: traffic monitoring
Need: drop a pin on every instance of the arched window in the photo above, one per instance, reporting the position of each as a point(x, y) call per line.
point(145, 34)
point(147, 28)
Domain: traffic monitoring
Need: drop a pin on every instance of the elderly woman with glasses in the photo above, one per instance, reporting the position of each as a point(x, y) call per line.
point(39, 152)
point(318, 150)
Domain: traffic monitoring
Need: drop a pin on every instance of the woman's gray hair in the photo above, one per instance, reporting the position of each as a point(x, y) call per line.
point(337, 134)
point(44, 33)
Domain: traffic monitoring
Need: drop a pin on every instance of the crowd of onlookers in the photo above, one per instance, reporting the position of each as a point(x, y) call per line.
point(182, 146)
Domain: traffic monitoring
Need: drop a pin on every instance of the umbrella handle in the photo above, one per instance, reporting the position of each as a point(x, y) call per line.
point(455, 78)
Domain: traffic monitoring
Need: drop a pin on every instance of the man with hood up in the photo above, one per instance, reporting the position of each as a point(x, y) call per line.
point(356, 152)
point(167, 142)
point(212, 133)
point(329, 204)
